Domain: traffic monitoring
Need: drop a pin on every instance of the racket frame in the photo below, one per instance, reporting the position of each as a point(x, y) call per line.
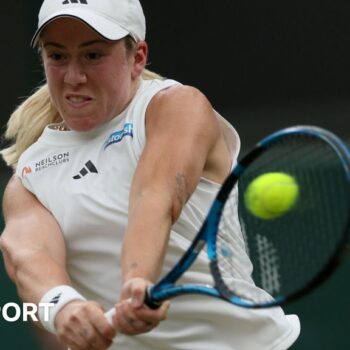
point(166, 287)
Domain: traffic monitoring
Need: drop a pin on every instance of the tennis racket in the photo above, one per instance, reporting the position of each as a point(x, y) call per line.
point(290, 254)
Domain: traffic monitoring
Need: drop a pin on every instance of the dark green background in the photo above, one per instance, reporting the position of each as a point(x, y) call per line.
point(263, 64)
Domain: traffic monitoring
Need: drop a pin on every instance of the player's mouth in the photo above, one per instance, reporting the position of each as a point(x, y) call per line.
point(78, 101)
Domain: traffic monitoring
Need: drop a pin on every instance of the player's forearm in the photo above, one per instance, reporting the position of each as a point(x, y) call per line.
point(33, 272)
point(32, 244)
point(147, 236)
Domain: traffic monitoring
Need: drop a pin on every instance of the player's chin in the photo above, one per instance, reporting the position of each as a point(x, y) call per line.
point(83, 124)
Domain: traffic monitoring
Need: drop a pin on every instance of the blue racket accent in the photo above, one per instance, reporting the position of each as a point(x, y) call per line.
point(238, 169)
point(250, 305)
point(168, 293)
point(274, 249)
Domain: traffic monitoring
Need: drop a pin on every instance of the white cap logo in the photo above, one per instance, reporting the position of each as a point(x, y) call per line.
point(74, 2)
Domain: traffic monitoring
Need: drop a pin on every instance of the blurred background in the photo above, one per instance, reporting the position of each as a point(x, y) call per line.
point(263, 64)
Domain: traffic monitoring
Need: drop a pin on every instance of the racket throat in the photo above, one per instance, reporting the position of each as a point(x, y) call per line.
point(200, 245)
point(219, 284)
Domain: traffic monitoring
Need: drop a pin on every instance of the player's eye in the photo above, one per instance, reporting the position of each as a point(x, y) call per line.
point(56, 57)
point(93, 56)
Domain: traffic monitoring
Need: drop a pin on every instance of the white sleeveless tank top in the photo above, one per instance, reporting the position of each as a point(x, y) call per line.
point(84, 179)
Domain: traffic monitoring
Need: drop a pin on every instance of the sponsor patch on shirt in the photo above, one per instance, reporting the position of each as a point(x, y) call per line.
point(47, 162)
point(118, 135)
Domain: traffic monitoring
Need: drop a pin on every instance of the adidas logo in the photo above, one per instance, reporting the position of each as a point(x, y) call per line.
point(88, 168)
point(56, 299)
point(74, 2)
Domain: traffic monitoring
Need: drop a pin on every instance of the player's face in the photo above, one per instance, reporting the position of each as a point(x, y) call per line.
point(91, 79)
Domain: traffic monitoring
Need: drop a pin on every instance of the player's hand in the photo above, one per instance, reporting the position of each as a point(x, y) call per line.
point(132, 316)
point(82, 325)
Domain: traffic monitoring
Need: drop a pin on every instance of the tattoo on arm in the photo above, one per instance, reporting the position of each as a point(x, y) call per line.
point(132, 266)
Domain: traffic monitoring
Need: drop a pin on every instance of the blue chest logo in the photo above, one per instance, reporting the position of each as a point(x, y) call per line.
point(118, 135)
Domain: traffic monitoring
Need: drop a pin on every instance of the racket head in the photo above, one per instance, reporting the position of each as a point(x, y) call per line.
point(292, 253)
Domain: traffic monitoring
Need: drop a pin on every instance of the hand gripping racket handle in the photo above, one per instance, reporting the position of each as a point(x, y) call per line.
point(109, 315)
point(148, 302)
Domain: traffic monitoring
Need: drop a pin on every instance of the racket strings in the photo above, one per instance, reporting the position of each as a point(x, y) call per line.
point(233, 261)
point(282, 250)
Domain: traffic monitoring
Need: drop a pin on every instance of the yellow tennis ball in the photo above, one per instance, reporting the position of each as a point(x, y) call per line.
point(271, 195)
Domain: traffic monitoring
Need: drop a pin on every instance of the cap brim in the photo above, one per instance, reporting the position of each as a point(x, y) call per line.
point(106, 28)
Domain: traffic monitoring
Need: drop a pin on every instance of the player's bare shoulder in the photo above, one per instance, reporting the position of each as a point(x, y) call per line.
point(186, 110)
point(184, 106)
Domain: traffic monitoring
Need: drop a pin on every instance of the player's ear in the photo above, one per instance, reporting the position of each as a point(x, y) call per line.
point(139, 58)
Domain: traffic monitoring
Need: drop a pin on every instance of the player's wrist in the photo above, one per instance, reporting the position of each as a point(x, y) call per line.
point(148, 273)
point(58, 297)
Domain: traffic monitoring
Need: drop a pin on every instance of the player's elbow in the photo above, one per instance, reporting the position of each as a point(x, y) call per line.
point(9, 255)
point(16, 257)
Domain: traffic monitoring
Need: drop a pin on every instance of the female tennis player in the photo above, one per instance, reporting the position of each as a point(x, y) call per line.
point(115, 169)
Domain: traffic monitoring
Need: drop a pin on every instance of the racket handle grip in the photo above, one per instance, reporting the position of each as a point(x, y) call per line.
point(109, 315)
point(151, 303)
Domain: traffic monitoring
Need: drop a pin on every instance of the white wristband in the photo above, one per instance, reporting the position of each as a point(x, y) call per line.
point(57, 297)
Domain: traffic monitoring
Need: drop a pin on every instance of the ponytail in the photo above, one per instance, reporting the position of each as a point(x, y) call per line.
point(27, 123)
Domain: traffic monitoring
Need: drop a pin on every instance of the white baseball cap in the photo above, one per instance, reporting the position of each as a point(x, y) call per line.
point(113, 19)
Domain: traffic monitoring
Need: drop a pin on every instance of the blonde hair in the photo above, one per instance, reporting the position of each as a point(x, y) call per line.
point(31, 117)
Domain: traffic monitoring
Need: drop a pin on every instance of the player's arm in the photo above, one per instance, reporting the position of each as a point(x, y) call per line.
point(31, 243)
point(183, 138)
point(34, 254)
